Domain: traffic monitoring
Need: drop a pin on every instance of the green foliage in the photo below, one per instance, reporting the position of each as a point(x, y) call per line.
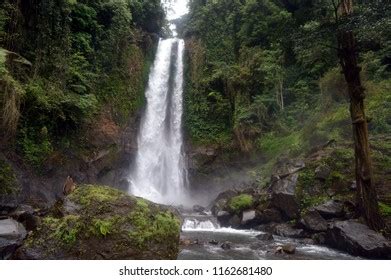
point(265, 74)
point(90, 195)
point(36, 146)
point(65, 230)
point(379, 102)
point(273, 145)
point(3, 56)
point(152, 227)
point(103, 227)
point(239, 203)
point(385, 209)
point(8, 182)
point(85, 56)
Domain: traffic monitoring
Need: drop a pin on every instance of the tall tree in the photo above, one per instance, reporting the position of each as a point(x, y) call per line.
point(367, 195)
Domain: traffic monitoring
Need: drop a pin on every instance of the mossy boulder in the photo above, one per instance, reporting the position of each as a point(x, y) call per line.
point(98, 222)
point(240, 203)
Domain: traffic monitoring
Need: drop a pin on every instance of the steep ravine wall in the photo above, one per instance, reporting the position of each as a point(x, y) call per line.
point(101, 153)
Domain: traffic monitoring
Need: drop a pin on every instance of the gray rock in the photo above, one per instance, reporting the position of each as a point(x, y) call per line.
point(12, 235)
point(283, 196)
point(358, 239)
point(313, 221)
point(270, 216)
point(331, 209)
point(286, 230)
point(265, 237)
point(249, 218)
point(214, 242)
point(322, 172)
point(7, 207)
point(199, 209)
point(289, 249)
point(25, 214)
point(220, 203)
point(11, 229)
point(286, 167)
point(223, 217)
point(235, 222)
point(319, 238)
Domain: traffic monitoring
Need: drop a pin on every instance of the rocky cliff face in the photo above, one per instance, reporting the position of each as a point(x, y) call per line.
point(104, 159)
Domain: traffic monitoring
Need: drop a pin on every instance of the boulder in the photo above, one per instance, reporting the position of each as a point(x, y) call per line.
point(322, 172)
point(12, 235)
point(235, 221)
point(199, 209)
point(287, 167)
point(331, 209)
point(279, 250)
point(313, 221)
point(286, 230)
point(249, 219)
point(104, 223)
point(265, 237)
point(214, 242)
point(319, 238)
point(358, 239)
point(283, 196)
point(270, 216)
point(289, 249)
point(25, 214)
point(223, 217)
point(227, 195)
point(7, 207)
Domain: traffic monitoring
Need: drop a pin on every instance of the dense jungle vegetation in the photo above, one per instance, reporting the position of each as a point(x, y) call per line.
point(266, 74)
point(63, 61)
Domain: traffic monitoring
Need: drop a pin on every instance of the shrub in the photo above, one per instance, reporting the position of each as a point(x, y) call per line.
point(241, 202)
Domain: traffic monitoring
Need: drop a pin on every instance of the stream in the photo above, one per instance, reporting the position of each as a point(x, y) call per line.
point(244, 244)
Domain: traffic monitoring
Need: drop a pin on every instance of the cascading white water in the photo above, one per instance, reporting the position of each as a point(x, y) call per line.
point(160, 171)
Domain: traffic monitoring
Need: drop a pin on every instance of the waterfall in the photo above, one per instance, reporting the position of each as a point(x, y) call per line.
point(160, 172)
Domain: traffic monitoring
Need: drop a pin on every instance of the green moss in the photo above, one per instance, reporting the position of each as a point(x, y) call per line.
point(385, 209)
point(8, 182)
point(64, 230)
point(103, 227)
point(150, 226)
point(97, 195)
point(241, 202)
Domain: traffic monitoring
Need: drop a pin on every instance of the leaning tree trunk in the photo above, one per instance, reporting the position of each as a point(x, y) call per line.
point(367, 196)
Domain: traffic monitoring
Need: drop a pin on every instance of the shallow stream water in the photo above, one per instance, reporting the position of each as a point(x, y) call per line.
point(244, 244)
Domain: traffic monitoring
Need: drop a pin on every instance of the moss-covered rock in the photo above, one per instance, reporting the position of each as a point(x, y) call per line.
point(98, 222)
point(240, 203)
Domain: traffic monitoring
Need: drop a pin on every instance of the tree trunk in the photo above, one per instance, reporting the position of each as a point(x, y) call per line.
point(367, 195)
